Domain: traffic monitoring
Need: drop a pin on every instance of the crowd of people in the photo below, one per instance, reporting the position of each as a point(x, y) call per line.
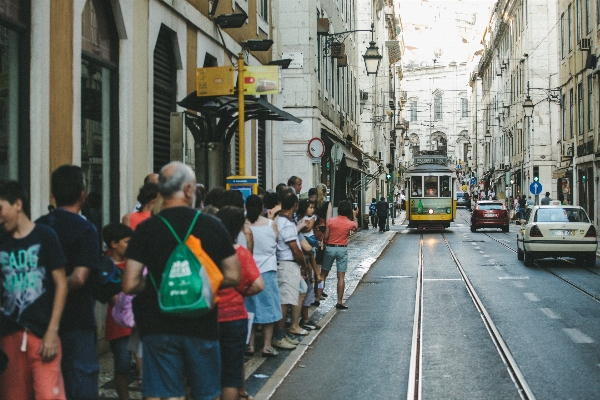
point(274, 252)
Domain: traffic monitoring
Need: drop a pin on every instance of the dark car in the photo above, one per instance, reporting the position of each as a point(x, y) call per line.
point(463, 199)
point(490, 214)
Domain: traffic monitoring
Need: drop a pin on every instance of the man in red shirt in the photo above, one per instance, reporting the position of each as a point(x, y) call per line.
point(336, 236)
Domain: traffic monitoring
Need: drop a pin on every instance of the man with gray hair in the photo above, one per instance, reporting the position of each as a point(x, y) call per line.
point(177, 350)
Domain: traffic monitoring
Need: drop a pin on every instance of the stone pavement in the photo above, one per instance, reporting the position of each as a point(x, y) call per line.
point(364, 247)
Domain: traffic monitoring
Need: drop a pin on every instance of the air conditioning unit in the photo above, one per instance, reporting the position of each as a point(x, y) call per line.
point(584, 44)
point(567, 149)
point(501, 167)
point(364, 95)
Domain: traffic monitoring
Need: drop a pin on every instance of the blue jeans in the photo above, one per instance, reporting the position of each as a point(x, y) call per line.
point(79, 364)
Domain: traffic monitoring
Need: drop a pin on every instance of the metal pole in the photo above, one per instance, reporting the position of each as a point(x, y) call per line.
point(241, 136)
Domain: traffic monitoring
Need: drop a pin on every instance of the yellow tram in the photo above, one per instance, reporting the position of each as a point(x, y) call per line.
point(430, 192)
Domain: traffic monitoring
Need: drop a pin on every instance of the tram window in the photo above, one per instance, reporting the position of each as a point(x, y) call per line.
point(431, 186)
point(445, 186)
point(417, 186)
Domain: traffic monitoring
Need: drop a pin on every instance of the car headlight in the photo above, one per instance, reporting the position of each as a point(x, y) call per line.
point(431, 211)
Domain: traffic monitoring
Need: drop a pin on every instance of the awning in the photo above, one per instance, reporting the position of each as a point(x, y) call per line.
point(351, 160)
point(219, 115)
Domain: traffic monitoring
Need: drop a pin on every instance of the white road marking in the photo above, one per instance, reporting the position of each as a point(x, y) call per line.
point(531, 297)
point(513, 277)
point(549, 313)
point(577, 336)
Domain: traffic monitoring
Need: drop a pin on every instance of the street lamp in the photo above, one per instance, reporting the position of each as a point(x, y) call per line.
point(528, 106)
point(372, 58)
point(488, 136)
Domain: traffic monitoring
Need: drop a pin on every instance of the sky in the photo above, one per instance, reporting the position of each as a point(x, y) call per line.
point(445, 30)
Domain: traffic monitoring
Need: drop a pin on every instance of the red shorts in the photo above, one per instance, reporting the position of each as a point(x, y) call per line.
point(26, 375)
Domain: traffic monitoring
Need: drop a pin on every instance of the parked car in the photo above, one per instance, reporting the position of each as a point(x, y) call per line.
point(557, 231)
point(490, 214)
point(463, 199)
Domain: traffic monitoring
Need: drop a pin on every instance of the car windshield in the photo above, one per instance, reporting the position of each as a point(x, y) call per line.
point(490, 206)
point(561, 215)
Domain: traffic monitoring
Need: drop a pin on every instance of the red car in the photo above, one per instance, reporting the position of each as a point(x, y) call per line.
point(490, 214)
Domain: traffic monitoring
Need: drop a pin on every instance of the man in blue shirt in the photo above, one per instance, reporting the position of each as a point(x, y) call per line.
point(79, 240)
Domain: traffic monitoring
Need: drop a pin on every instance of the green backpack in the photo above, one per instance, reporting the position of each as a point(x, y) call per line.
point(185, 289)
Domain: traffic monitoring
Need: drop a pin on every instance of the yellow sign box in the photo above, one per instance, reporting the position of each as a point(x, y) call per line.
point(215, 81)
point(262, 80)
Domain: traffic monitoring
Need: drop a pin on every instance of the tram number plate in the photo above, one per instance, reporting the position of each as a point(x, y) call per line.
point(563, 233)
point(489, 215)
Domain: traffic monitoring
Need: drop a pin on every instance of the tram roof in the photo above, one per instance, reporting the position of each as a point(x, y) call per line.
point(430, 169)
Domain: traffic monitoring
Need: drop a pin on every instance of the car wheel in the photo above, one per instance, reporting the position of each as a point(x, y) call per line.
point(505, 228)
point(527, 259)
point(473, 229)
point(519, 254)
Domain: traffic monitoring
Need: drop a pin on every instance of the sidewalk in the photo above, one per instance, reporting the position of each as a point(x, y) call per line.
point(364, 248)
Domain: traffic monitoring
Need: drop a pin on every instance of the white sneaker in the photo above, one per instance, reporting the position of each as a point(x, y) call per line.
point(292, 341)
point(283, 344)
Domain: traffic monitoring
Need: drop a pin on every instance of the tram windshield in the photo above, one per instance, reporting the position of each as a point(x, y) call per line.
point(445, 186)
point(416, 185)
point(431, 186)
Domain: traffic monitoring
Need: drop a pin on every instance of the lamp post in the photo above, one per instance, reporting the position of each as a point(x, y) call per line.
point(372, 57)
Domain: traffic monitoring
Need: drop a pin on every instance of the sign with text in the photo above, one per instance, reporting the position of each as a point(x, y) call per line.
point(264, 79)
point(215, 81)
point(430, 160)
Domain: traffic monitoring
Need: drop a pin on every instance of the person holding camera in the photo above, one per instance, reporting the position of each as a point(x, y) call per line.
point(336, 239)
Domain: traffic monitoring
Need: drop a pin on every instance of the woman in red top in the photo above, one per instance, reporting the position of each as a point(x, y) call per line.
point(146, 198)
point(336, 236)
point(232, 313)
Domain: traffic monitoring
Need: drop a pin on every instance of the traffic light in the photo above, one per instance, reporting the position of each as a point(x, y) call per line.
point(583, 178)
point(388, 176)
point(536, 174)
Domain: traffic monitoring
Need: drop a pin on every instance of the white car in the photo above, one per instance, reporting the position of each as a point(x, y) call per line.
point(557, 231)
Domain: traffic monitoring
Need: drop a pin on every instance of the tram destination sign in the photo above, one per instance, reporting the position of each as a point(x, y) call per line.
point(431, 160)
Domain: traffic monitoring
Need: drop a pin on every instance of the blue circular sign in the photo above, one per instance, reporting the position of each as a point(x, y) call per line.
point(535, 188)
point(473, 181)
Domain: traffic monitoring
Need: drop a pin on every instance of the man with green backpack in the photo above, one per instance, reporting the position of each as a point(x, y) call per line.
point(174, 312)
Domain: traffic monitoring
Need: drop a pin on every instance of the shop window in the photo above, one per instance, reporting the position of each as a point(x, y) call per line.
point(99, 112)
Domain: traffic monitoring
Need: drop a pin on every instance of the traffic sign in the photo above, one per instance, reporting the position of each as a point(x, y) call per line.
point(336, 154)
point(473, 181)
point(535, 188)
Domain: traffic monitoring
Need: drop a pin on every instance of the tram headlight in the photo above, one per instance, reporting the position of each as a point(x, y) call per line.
point(431, 211)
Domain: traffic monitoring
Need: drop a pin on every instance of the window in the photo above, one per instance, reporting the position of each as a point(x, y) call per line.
point(590, 102)
point(99, 112)
point(580, 108)
point(564, 116)
point(588, 27)
point(431, 186)
point(413, 111)
point(263, 9)
point(464, 108)
point(562, 35)
point(578, 20)
point(569, 28)
point(571, 114)
point(437, 107)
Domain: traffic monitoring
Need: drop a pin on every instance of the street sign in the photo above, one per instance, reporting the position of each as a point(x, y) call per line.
point(264, 79)
point(337, 152)
point(214, 81)
point(473, 181)
point(535, 188)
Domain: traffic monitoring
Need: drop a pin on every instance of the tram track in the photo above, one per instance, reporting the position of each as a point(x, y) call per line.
point(415, 382)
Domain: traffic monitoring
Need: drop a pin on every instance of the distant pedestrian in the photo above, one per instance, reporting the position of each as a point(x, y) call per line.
point(530, 202)
point(546, 199)
point(34, 292)
point(522, 206)
point(373, 212)
point(295, 183)
point(337, 234)
point(80, 242)
point(177, 350)
point(382, 213)
point(146, 198)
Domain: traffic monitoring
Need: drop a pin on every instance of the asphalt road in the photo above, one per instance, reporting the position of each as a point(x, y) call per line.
point(550, 328)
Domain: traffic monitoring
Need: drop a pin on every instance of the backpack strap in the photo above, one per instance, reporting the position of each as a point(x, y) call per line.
point(189, 231)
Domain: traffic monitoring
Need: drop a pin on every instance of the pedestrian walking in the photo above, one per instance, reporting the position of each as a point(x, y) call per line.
point(31, 313)
point(232, 315)
point(336, 235)
point(266, 305)
point(116, 237)
point(146, 199)
point(323, 211)
point(522, 207)
point(546, 199)
point(373, 212)
point(177, 350)
point(81, 245)
point(382, 213)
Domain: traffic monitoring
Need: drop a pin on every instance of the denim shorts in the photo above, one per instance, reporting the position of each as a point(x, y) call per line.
point(233, 346)
point(170, 361)
point(311, 240)
point(121, 354)
point(337, 254)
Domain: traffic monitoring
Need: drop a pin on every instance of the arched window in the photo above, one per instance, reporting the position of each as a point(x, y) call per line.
point(437, 107)
point(99, 112)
